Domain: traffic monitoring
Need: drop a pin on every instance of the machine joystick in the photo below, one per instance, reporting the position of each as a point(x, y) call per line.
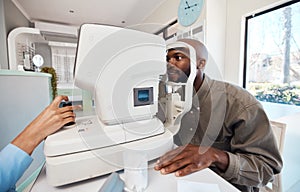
point(64, 104)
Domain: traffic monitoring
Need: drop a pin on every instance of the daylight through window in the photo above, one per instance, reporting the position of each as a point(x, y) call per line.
point(272, 54)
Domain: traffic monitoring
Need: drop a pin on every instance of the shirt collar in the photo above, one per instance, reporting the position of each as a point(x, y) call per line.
point(204, 89)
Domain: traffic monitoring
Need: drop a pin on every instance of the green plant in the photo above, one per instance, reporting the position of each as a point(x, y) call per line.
point(276, 93)
point(51, 71)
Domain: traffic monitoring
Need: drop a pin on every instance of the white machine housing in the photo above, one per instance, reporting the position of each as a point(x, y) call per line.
point(113, 62)
point(122, 69)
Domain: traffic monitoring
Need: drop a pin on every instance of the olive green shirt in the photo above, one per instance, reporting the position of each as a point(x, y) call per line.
point(229, 118)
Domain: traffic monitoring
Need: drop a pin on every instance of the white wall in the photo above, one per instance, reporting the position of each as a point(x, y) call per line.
point(3, 45)
point(236, 12)
point(165, 13)
point(224, 20)
point(10, 18)
point(213, 17)
point(215, 37)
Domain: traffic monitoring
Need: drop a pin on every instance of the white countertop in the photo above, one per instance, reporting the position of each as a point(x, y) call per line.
point(156, 182)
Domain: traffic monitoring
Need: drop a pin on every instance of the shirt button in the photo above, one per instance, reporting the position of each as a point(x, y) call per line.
point(192, 112)
point(198, 108)
point(191, 129)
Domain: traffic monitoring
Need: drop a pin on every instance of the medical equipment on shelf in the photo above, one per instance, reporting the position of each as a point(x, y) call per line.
point(123, 69)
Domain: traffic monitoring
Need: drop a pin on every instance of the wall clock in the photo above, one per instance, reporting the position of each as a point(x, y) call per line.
point(189, 11)
point(38, 61)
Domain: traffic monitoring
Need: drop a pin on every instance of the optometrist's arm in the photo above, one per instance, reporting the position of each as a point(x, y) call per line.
point(51, 119)
point(15, 157)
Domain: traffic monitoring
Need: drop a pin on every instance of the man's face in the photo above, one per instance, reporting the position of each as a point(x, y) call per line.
point(178, 65)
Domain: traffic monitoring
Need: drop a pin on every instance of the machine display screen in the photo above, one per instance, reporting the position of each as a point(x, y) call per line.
point(143, 96)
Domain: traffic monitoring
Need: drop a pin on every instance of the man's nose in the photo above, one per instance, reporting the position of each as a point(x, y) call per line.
point(172, 61)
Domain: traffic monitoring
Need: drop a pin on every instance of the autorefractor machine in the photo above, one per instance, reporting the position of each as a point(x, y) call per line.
point(125, 71)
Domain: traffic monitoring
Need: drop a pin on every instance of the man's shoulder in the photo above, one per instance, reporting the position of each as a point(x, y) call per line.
point(235, 92)
point(229, 86)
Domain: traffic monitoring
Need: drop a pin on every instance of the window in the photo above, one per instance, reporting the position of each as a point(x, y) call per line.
point(272, 54)
point(63, 60)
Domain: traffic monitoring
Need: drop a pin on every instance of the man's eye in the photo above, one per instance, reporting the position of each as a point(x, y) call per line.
point(178, 58)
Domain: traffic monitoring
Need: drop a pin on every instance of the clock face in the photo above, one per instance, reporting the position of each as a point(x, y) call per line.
point(189, 11)
point(38, 60)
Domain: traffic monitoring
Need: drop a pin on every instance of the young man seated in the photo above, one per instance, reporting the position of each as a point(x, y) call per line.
point(228, 131)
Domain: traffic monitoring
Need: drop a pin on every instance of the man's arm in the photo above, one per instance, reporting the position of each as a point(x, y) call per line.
point(191, 158)
point(254, 156)
point(252, 161)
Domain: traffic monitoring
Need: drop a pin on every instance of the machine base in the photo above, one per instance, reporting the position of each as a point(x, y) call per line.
point(70, 168)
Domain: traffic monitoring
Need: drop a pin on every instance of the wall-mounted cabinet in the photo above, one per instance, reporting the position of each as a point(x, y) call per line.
point(57, 51)
point(25, 42)
point(21, 47)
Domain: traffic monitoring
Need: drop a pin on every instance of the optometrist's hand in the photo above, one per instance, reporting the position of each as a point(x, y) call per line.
point(191, 158)
point(51, 119)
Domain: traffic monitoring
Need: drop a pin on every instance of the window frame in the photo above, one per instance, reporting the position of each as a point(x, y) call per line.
point(246, 34)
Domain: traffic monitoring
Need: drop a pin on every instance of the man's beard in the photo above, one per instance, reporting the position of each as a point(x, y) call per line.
point(175, 74)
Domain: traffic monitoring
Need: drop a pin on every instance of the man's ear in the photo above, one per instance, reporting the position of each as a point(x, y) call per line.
point(201, 64)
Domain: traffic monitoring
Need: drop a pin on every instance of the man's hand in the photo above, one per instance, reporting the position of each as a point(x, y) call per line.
point(191, 158)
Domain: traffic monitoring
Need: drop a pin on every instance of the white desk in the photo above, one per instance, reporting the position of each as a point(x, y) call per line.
point(156, 182)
